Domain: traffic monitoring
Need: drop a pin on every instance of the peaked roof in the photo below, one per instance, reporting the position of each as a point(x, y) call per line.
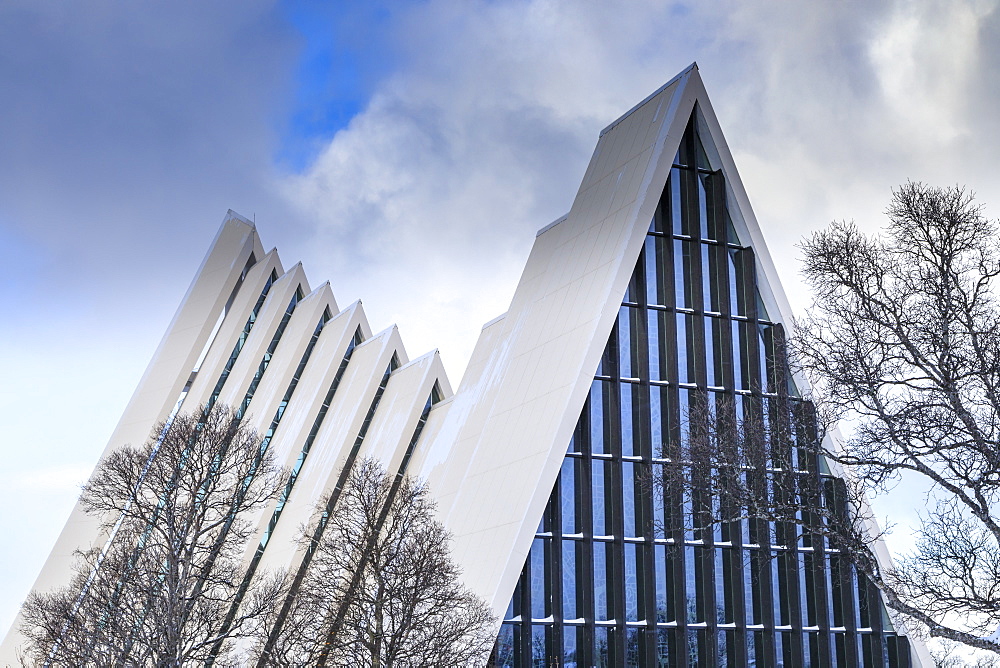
point(493, 455)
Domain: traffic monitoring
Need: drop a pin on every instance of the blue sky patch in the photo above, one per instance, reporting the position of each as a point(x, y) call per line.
point(345, 53)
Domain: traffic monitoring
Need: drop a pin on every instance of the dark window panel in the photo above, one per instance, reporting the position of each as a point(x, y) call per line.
point(541, 585)
point(673, 197)
point(572, 641)
point(633, 646)
point(658, 334)
point(569, 486)
point(503, 653)
point(572, 579)
point(541, 646)
point(633, 581)
point(599, 474)
point(603, 641)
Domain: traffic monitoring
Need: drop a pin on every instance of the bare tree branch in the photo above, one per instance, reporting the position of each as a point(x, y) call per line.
point(382, 590)
point(903, 341)
point(156, 594)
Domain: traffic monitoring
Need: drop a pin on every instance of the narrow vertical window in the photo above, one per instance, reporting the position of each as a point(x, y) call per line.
point(632, 595)
point(629, 489)
point(571, 640)
point(568, 488)
point(601, 594)
point(570, 564)
point(626, 367)
point(628, 434)
point(599, 504)
point(602, 647)
point(540, 590)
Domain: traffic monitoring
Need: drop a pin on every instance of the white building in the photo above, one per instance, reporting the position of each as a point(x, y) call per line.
point(654, 286)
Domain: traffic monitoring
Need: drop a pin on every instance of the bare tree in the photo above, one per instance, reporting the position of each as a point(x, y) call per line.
point(749, 470)
point(949, 654)
point(758, 460)
point(381, 589)
point(174, 512)
point(903, 341)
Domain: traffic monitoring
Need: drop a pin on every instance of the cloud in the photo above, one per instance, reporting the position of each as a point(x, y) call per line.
point(58, 479)
point(425, 204)
point(929, 52)
point(129, 129)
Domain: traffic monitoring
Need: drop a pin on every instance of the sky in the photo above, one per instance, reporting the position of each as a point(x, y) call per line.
point(407, 152)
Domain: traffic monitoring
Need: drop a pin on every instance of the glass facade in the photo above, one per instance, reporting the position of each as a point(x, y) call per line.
point(616, 575)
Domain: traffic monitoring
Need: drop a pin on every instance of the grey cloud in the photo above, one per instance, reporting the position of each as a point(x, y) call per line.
point(432, 195)
point(129, 127)
point(126, 131)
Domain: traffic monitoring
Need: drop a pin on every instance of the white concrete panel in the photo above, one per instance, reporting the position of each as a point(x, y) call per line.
point(399, 411)
point(285, 360)
point(276, 381)
point(333, 443)
point(348, 411)
point(230, 330)
point(188, 332)
point(299, 417)
point(442, 458)
point(268, 320)
point(158, 389)
point(315, 381)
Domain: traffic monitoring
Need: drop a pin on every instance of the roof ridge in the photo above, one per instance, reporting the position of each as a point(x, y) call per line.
point(693, 66)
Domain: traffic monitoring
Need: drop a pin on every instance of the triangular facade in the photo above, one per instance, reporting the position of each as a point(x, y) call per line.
point(615, 575)
point(655, 288)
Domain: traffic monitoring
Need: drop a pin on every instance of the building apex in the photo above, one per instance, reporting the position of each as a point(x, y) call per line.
point(693, 67)
point(232, 215)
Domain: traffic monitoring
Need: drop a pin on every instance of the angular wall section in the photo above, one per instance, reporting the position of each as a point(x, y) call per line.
point(305, 374)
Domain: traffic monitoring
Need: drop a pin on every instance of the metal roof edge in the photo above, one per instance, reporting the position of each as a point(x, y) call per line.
point(683, 73)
